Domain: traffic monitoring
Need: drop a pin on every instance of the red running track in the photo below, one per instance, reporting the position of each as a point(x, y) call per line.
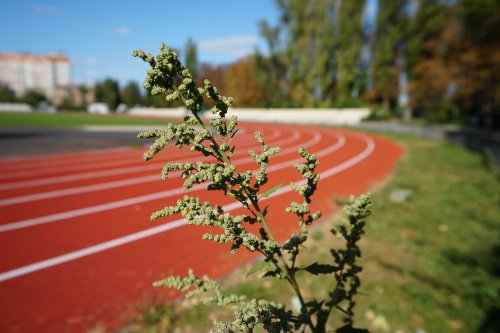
point(77, 248)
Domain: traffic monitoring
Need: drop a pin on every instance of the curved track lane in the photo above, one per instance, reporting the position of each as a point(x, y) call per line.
point(77, 245)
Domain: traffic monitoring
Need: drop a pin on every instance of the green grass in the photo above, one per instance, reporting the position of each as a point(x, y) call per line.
point(72, 119)
point(430, 263)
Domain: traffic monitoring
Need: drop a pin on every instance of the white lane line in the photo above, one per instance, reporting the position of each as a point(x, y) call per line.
point(80, 176)
point(370, 147)
point(339, 144)
point(31, 268)
point(75, 168)
point(103, 207)
point(117, 183)
point(93, 209)
point(30, 164)
point(77, 190)
point(109, 172)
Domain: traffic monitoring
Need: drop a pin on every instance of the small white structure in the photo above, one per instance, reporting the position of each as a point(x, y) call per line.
point(122, 108)
point(179, 112)
point(15, 107)
point(98, 108)
point(338, 117)
point(45, 107)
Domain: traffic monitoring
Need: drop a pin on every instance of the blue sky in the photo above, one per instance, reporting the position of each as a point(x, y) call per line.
point(99, 36)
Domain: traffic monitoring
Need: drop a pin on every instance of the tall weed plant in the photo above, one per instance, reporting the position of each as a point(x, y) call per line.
point(213, 140)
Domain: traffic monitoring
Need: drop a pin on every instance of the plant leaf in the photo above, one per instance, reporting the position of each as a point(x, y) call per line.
point(350, 329)
point(234, 133)
point(272, 190)
point(257, 267)
point(317, 269)
point(264, 212)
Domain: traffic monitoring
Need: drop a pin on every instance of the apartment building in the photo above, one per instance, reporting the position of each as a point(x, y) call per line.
point(44, 73)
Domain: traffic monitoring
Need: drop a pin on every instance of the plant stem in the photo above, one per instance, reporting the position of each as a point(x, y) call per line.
point(290, 272)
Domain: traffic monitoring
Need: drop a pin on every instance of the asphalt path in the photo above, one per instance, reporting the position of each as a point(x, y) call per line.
point(31, 140)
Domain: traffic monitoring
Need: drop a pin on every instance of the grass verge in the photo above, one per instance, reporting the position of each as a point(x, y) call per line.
point(431, 262)
point(73, 119)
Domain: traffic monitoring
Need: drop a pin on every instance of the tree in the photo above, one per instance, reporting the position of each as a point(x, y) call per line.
point(6, 94)
point(306, 25)
point(33, 97)
point(456, 71)
point(326, 55)
point(270, 70)
point(420, 24)
point(131, 94)
point(435, 71)
point(191, 58)
point(481, 75)
point(322, 53)
point(108, 92)
point(84, 92)
point(240, 83)
point(350, 39)
point(214, 74)
point(388, 36)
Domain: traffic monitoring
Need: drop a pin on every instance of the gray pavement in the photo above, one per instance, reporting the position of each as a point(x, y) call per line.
point(27, 141)
point(430, 132)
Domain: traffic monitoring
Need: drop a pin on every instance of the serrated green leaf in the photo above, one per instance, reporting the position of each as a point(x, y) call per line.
point(317, 269)
point(260, 265)
point(350, 329)
point(272, 190)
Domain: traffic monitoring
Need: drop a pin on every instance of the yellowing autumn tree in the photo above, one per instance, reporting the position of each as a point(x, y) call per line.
point(240, 82)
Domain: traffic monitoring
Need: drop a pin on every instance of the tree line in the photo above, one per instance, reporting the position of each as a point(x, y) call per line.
point(107, 91)
point(438, 59)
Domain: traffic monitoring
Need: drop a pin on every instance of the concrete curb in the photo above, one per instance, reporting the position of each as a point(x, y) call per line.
point(339, 117)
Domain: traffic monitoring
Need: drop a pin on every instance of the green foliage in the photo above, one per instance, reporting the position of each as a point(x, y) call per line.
point(131, 94)
point(443, 243)
point(169, 77)
point(348, 55)
point(441, 56)
point(108, 92)
point(6, 94)
point(270, 70)
point(191, 58)
point(310, 30)
point(272, 190)
point(388, 36)
point(33, 97)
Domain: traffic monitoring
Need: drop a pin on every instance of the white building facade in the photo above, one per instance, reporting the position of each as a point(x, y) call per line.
point(43, 73)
